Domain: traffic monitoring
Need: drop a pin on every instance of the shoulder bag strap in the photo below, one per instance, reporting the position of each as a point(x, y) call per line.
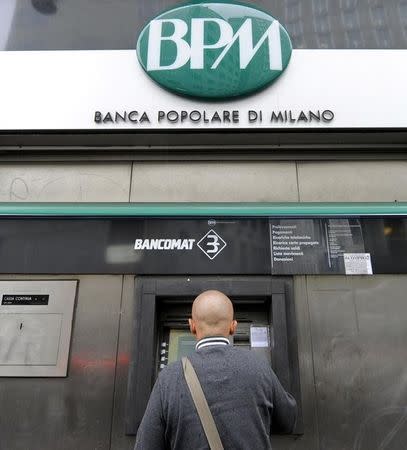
point(201, 405)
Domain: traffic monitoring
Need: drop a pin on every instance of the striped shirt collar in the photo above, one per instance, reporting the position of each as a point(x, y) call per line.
point(213, 340)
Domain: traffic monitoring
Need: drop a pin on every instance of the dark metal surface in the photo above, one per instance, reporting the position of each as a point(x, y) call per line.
point(359, 335)
point(310, 439)
point(54, 24)
point(73, 412)
point(119, 440)
point(208, 145)
point(352, 335)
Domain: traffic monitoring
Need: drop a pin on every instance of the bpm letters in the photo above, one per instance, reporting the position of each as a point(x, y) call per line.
point(194, 51)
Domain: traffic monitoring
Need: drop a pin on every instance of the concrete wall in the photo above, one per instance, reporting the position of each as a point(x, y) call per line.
point(356, 181)
point(45, 182)
point(263, 181)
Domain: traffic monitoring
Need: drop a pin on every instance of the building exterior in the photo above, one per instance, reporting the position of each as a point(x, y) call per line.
point(87, 185)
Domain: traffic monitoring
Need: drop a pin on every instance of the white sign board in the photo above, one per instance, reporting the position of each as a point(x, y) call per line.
point(108, 90)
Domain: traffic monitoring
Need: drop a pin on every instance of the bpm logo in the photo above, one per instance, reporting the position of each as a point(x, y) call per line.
point(214, 49)
point(194, 52)
point(211, 244)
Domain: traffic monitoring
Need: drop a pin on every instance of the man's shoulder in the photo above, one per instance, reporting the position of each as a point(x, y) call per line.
point(233, 356)
point(230, 355)
point(170, 373)
point(251, 358)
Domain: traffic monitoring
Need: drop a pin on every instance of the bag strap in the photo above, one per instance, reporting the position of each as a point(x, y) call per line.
point(205, 415)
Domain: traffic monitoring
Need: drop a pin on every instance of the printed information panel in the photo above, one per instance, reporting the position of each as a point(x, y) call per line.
point(314, 246)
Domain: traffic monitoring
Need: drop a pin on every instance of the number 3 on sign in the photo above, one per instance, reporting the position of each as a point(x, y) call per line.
point(214, 244)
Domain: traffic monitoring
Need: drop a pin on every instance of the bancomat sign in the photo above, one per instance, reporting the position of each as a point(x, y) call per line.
point(211, 244)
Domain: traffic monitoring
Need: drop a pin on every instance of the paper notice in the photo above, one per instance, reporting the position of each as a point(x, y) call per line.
point(357, 264)
point(259, 337)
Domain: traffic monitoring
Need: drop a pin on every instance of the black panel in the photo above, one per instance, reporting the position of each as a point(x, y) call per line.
point(386, 241)
point(25, 300)
point(108, 246)
point(201, 247)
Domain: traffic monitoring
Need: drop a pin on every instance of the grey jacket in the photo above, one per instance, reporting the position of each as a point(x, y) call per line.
point(245, 397)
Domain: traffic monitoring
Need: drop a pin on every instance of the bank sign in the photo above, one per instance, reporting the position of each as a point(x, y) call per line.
point(214, 49)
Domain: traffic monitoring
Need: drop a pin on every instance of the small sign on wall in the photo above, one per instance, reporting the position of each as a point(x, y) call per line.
point(357, 264)
point(25, 300)
point(259, 337)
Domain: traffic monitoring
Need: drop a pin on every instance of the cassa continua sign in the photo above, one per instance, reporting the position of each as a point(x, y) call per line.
point(214, 49)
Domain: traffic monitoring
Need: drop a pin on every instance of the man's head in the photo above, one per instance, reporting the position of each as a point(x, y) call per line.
point(212, 315)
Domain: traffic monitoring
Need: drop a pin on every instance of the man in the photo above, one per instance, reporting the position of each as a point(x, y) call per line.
point(244, 395)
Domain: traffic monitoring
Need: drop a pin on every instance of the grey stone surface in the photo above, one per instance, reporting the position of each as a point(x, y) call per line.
point(353, 181)
point(214, 182)
point(50, 182)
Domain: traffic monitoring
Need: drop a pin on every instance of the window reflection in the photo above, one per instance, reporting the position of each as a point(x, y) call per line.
point(45, 6)
point(115, 24)
point(7, 8)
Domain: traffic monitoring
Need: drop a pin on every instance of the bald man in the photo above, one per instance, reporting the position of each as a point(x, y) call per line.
point(243, 393)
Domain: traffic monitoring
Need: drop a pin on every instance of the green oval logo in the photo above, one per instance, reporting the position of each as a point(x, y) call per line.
point(214, 49)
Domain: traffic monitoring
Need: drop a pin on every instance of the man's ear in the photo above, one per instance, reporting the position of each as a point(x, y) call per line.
point(233, 327)
point(192, 327)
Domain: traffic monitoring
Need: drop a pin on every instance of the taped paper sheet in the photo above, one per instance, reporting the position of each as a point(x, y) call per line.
point(357, 264)
point(259, 337)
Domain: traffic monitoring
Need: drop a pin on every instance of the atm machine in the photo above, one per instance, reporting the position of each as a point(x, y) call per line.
point(265, 313)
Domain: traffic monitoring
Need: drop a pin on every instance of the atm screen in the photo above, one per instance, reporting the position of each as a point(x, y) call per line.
point(254, 330)
point(181, 343)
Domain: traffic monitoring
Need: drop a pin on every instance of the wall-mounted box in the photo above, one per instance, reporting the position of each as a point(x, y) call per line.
point(35, 327)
